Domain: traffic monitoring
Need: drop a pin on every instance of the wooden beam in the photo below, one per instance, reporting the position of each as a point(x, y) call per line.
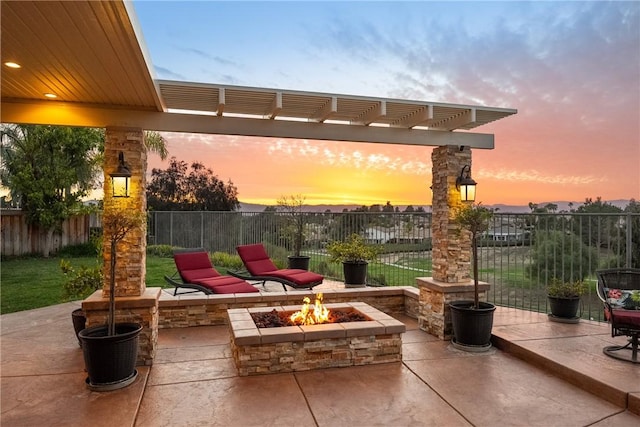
point(68, 114)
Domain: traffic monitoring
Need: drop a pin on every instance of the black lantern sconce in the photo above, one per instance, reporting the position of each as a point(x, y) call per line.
point(466, 185)
point(120, 178)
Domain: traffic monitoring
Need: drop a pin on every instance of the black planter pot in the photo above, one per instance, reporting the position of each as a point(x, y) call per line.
point(355, 273)
point(472, 327)
point(564, 309)
point(110, 361)
point(79, 322)
point(299, 262)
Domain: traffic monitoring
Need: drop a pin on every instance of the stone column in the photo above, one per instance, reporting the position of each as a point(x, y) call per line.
point(131, 253)
point(451, 255)
point(451, 249)
point(134, 301)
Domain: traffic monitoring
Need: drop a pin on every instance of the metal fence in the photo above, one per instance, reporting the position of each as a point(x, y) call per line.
point(518, 255)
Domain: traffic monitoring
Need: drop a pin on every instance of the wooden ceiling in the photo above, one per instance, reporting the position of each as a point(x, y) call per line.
point(84, 52)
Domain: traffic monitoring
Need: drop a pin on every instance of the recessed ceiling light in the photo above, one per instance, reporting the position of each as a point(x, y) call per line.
point(12, 64)
point(51, 95)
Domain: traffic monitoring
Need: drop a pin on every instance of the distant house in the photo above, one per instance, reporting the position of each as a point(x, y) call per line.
point(506, 233)
point(378, 235)
point(397, 234)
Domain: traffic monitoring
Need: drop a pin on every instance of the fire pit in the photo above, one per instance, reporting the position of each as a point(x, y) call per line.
point(302, 347)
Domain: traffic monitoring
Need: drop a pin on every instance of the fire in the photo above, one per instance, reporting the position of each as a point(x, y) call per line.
point(311, 316)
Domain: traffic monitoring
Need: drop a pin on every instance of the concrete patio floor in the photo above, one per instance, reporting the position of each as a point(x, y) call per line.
point(545, 374)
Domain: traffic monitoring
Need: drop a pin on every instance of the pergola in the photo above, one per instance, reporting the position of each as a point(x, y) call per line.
point(91, 56)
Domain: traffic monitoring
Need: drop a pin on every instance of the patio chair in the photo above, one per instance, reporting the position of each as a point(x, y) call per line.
point(615, 288)
point(195, 272)
point(259, 267)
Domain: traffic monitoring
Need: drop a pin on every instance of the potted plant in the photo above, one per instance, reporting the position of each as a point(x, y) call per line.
point(110, 351)
point(472, 321)
point(291, 207)
point(354, 254)
point(564, 299)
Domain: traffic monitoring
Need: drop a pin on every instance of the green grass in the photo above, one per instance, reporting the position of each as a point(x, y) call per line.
point(27, 283)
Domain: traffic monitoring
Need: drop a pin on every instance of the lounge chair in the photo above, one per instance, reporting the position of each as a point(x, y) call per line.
point(615, 288)
point(196, 272)
point(259, 267)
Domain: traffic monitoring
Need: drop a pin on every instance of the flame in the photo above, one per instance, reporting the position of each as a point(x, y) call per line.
point(307, 316)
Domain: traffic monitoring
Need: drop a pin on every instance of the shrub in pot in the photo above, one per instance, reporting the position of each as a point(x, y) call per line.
point(354, 254)
point(110, 351)
point(564, 299)
point(293, 229)
point(472, 321)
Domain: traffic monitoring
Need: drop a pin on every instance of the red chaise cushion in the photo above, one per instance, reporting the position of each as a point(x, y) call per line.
point(255, 258)
point(196, 267)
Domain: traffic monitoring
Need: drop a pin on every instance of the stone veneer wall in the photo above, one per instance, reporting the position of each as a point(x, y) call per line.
point(190, 310)
point(318, 354)
point(451, 249)
point(435, 296)
point(142, 310)
point(131, 251)
point(300, 348)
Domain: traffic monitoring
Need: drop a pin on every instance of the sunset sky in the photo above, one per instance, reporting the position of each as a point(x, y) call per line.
point(571, 69)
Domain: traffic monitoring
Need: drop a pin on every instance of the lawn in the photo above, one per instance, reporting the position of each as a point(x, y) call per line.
point(27, 283)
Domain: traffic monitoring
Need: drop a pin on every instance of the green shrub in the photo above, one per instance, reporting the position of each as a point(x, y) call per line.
point(162, 251)
point(80, 282)
point(556, 254)
point(325, 269)
point(559, 289)
point(610, 261)
point(91, 248)
point(353, 249)
point(278, 255)
point(223, 259)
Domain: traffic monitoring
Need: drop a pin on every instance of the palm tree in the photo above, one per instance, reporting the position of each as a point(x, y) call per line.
point(155, 143)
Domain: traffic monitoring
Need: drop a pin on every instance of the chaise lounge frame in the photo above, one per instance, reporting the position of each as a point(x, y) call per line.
point(178, 282)
point(624, 322)
point(247, 274)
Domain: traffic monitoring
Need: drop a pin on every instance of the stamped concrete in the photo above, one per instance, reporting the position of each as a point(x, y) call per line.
point(540, 374)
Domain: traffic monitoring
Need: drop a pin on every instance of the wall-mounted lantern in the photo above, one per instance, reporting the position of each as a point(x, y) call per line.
point(120, 178)
point(466, 185)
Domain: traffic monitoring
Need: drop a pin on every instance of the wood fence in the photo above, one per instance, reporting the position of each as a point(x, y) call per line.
point(18, 238)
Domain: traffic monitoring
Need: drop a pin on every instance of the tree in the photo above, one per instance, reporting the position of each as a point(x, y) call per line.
point(155, 143)
point(291, 207)
point(48, 169)
point(197, 190)
point(561, 255)
point(596, 229)
point(475, 220)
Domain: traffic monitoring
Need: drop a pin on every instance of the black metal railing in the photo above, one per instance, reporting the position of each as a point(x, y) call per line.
point(518, 255)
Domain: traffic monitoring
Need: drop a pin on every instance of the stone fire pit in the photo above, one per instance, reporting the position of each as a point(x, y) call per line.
point(301, 348)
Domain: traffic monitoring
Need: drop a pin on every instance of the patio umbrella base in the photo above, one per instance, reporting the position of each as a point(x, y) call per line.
point(114, 385)
point(471, 348)
point(563, 319)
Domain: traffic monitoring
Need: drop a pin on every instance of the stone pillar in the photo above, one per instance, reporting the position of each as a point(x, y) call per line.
point(131, 251)
point(451, 255)
point(134, 301)
point(434, 314)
